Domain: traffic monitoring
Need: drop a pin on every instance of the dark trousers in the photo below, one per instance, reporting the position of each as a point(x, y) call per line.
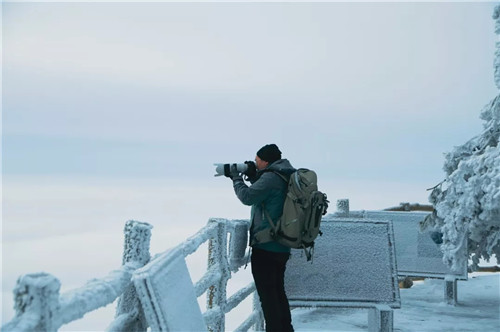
point(268, 270)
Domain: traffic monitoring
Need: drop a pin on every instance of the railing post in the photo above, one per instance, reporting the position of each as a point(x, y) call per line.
point(136, 249)
point(343, 207)
point(217, 255)
point(257, 307)
point(238, 244)
point(381, 319)
point(36, 298)
point(450, 290)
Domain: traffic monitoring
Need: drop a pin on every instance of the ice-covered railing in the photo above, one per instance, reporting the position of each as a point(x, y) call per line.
point(220, 262)
point(40, 307)
point(224, 257)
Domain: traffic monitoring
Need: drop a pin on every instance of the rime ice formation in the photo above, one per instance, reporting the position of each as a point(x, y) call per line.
point(467, 202)
point(135, 250)
point(496, 17)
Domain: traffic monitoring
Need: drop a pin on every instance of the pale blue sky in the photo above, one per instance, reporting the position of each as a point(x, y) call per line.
point(361, 91)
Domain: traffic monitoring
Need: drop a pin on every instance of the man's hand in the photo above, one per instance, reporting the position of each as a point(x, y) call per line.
point(232, 172)
point(251, 169)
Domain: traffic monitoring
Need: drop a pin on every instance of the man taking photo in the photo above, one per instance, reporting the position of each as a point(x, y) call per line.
point(266, 195)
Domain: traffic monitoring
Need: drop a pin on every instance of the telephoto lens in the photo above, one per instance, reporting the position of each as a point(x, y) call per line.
point(223, 169)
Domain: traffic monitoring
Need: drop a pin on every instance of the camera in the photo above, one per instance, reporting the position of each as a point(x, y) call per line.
point(246, 168)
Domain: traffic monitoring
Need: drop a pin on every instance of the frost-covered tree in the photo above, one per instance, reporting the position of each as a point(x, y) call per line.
point(467, 203)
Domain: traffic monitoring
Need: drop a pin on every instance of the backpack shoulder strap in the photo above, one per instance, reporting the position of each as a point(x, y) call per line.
point(284, 178)
point(267, 234)
point(268, 216)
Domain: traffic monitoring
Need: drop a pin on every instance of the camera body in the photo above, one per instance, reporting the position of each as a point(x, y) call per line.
point(245, 168)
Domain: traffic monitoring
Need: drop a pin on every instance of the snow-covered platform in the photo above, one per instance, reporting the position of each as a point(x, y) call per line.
point(422, 309)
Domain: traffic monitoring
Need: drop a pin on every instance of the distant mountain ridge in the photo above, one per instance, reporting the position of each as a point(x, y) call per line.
point(411, 207)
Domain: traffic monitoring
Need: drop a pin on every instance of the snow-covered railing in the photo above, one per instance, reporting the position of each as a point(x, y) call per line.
point(40, 307)
point(223, 258)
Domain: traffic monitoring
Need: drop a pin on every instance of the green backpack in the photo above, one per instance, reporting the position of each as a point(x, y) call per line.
point(304, 206)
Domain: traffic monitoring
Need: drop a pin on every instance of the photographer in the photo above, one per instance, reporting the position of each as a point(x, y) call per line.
point(266, 194)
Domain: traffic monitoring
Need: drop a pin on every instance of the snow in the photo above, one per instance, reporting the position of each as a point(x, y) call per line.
point(467, 202)
point(238, 244)
point(96, 293)
point(137, 241)
point(496, 17)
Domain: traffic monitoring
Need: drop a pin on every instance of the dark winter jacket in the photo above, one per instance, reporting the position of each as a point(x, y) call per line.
point(268, 190)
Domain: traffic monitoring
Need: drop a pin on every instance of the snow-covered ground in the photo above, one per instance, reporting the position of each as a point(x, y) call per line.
point(422, 309)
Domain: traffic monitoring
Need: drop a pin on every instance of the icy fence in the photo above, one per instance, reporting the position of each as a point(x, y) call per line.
point(165, 280)
point(40, 307)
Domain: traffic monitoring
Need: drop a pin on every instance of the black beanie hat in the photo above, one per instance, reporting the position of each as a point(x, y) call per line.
point(269, 153)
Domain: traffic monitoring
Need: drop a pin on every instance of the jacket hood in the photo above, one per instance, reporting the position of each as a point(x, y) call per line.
point(281, 166)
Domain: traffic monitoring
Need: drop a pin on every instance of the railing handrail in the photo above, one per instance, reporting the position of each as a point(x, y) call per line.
point(73, 305)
